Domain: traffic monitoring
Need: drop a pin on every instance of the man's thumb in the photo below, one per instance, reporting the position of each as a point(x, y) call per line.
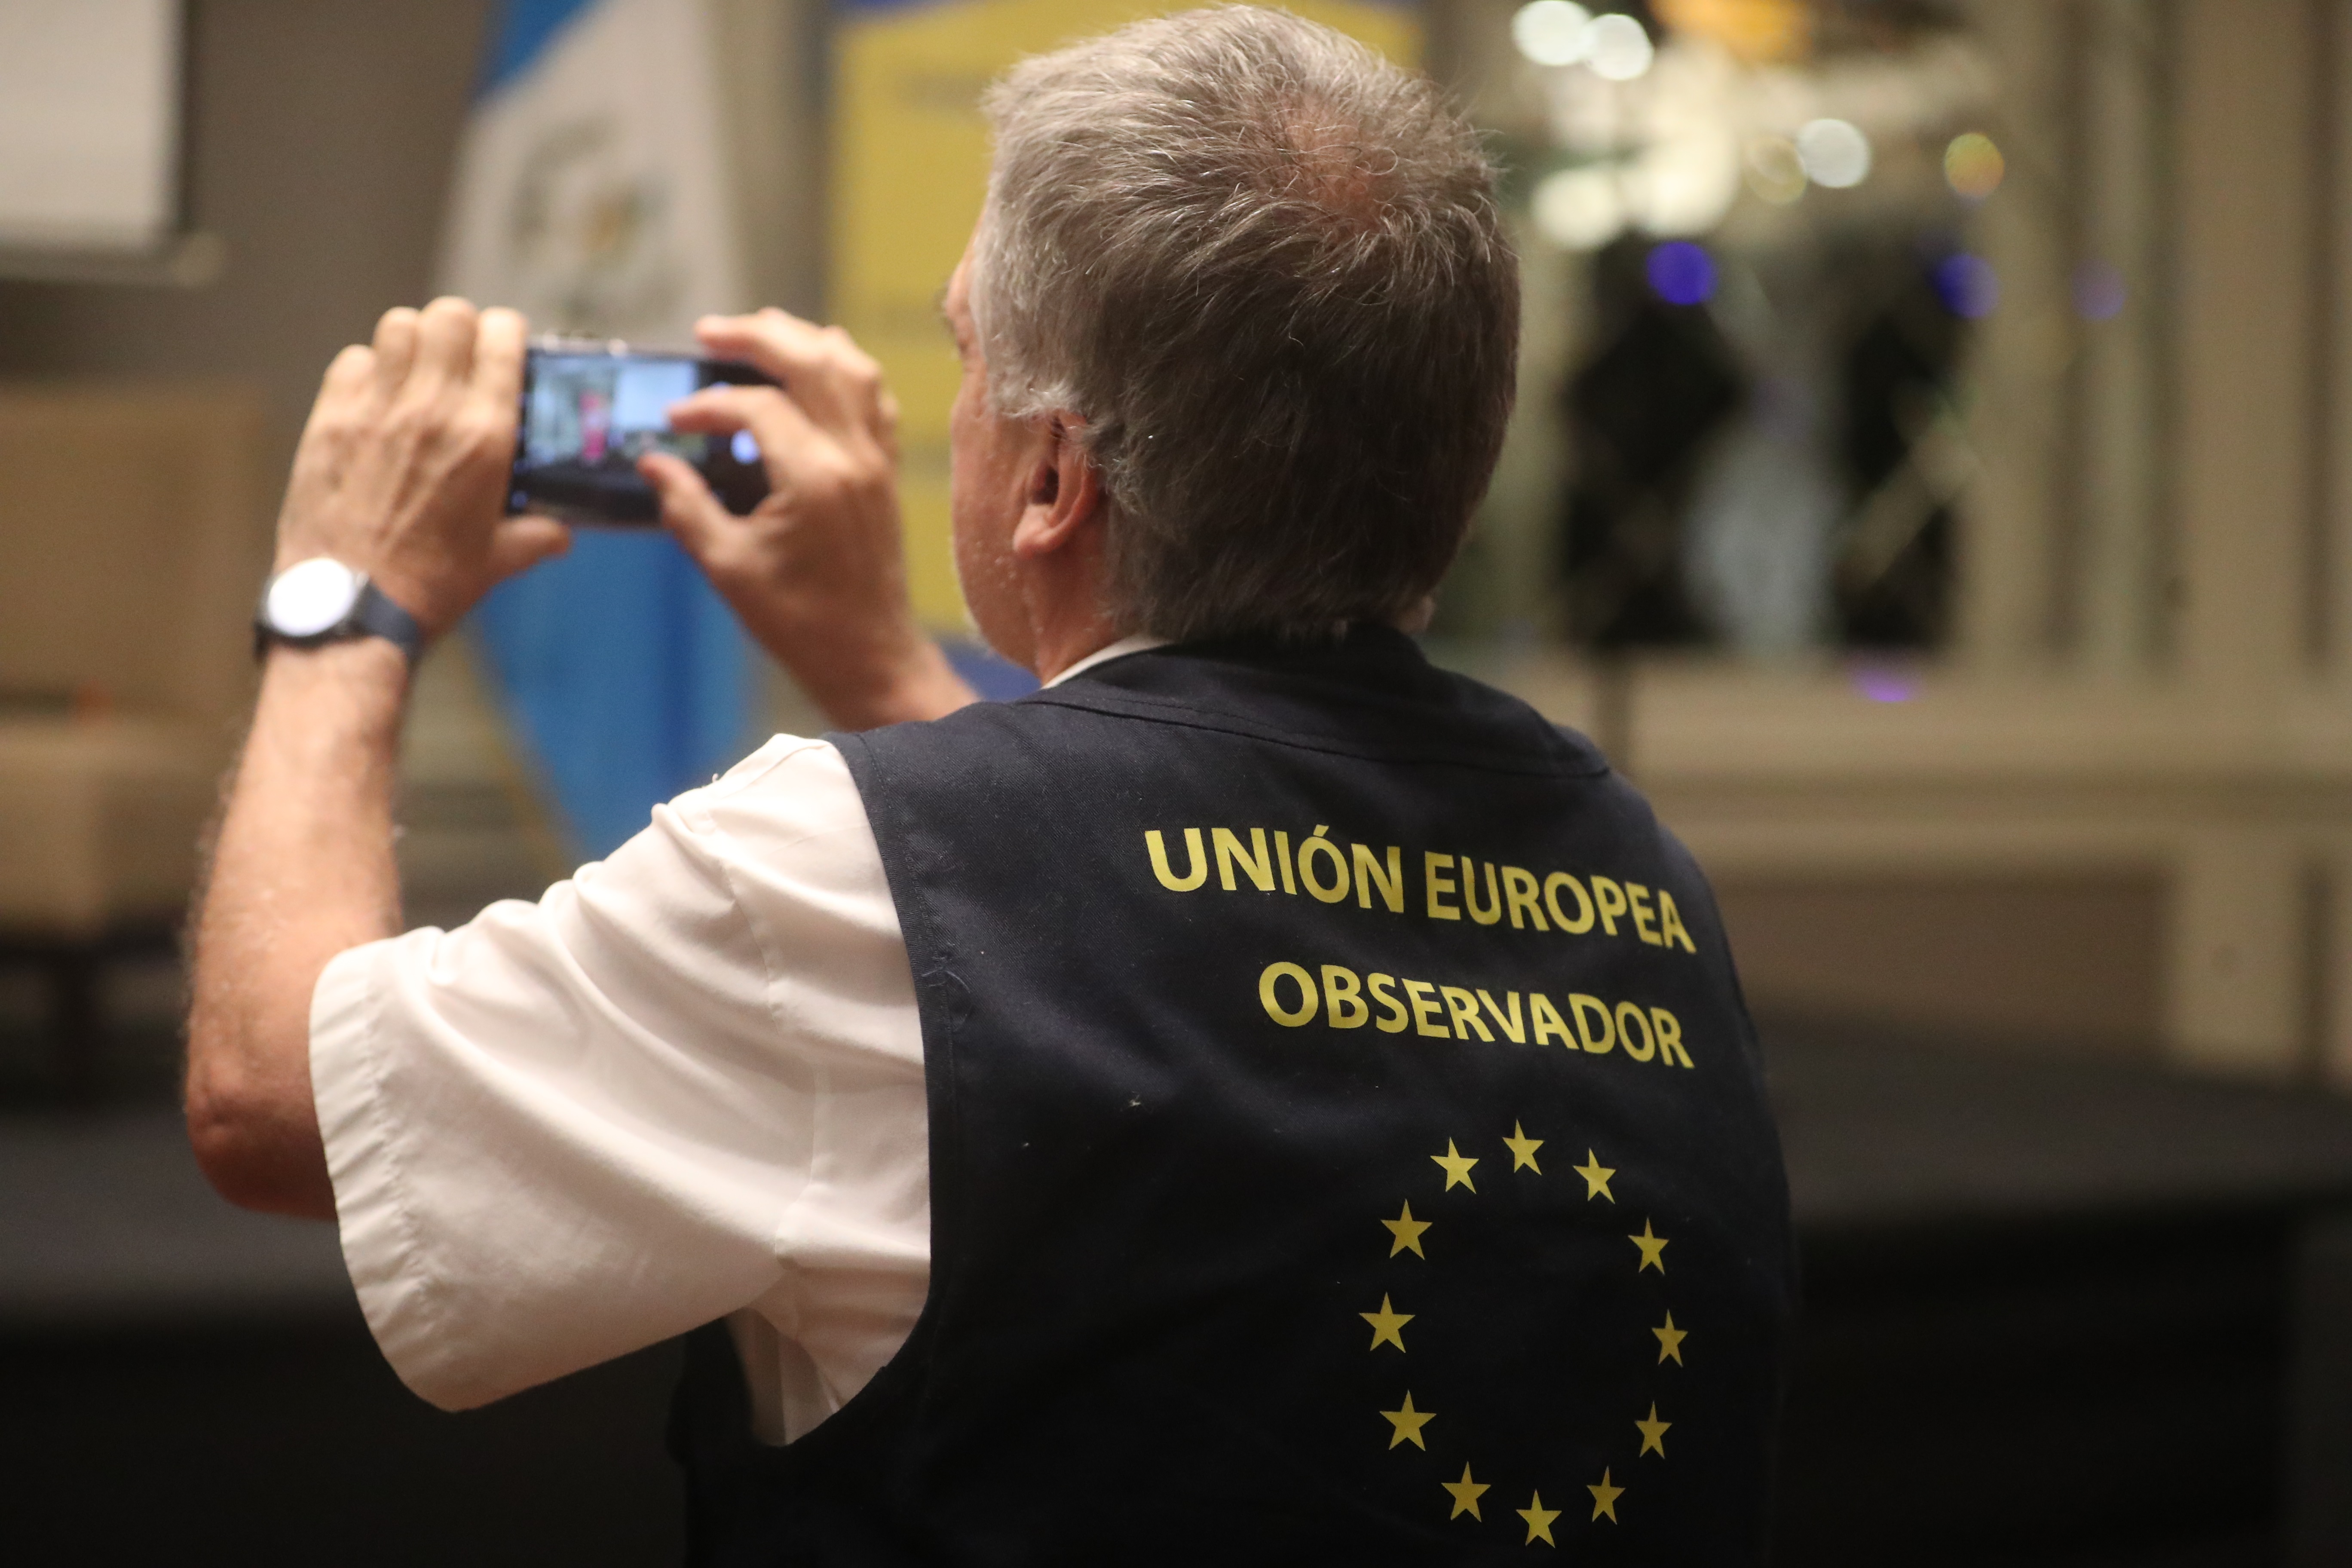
point(689, 510)
point(522, 542)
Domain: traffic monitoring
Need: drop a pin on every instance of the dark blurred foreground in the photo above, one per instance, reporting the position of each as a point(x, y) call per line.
point(2058, 1316)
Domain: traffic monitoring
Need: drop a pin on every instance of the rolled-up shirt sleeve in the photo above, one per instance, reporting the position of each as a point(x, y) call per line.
point(684, 1081)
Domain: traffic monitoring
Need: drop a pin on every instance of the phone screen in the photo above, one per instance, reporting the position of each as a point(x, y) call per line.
point(589, 414)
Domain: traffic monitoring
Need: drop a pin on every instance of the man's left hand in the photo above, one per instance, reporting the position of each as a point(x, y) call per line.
point(402, 471)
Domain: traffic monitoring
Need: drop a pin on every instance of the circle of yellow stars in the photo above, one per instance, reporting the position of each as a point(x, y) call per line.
point(1405, 1422)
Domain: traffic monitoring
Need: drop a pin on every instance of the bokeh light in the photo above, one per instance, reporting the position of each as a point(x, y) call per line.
point(1756, 32)
point(1774, 170)
point(1681, 273)
point(1834, 153)
point(1968, 285)
point(1617, 46)
point(1551, 32)
point(2099, 291)
point(1682, 188)
point(1973, 166)
point(1882, 684)
point(1578, 209)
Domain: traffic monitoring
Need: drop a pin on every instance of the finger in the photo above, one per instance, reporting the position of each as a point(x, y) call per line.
point(521, 543)
point(824, 369)
point(498, 345)
point(350, 381)
point(395, 349)
point(784, 431)
point(775, 340)
point(720, 410)
point(349, 375)
point(445, 346)
point(693, 516)
point(860, 369)
point(768, 338)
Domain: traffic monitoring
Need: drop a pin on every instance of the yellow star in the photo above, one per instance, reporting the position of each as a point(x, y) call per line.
point(1523, 1149)
point(1388, 1321)
point(1605, 1498)
point(1409, 1422)
point(1407, 1231)
point(1457, 1167)
point(1670, 1342)
point(1539, 1520)
point(1465, 1495)
point(1654, 1249)
point(1653, 1433)
point(1596, 1177)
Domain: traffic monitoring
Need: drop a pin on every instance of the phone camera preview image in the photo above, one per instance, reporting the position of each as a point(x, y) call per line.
point(590, 411)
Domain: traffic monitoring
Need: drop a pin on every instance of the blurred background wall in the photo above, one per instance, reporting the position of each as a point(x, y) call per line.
point(320, 142)
point(2059, 757)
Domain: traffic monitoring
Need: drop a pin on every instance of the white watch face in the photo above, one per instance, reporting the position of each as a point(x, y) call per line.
point(307, 598)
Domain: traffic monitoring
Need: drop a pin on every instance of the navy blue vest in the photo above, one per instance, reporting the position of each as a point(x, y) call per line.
point(1347, 1142)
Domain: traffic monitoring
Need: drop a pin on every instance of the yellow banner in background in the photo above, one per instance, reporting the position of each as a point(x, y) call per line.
point(910, 165)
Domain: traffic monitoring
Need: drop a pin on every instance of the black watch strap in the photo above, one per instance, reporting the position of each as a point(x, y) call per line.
point(377, 616)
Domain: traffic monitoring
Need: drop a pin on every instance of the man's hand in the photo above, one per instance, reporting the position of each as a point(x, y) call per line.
point(402, 468)
point(816, 572)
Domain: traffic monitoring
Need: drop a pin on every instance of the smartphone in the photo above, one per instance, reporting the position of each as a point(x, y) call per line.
point(592, 408)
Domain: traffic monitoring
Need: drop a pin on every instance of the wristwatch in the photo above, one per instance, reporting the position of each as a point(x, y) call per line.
point(321, 600)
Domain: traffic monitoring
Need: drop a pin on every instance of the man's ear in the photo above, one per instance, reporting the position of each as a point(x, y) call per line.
point(1066, 498)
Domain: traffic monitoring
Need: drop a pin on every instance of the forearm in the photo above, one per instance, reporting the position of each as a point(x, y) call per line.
point(302, 870)
point(865, 677)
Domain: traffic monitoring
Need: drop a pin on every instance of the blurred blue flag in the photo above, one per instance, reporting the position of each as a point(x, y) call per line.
point(589, 195)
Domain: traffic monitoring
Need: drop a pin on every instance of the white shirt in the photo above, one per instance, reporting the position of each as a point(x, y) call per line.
point(685, 1084)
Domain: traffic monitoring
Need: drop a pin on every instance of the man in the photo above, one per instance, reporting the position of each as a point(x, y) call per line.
point(1075, 1109)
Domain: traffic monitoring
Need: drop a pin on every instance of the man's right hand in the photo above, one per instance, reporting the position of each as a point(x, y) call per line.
point(817, 571)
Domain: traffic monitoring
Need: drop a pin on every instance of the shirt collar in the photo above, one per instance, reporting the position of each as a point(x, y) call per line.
point(1140, 642)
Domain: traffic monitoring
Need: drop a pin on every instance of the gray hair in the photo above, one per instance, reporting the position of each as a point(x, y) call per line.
point(1263, 269)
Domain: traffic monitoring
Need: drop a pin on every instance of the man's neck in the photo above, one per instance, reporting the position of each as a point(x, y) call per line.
point(1065, 600)
point(1134, 642)
point(1059, 640)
